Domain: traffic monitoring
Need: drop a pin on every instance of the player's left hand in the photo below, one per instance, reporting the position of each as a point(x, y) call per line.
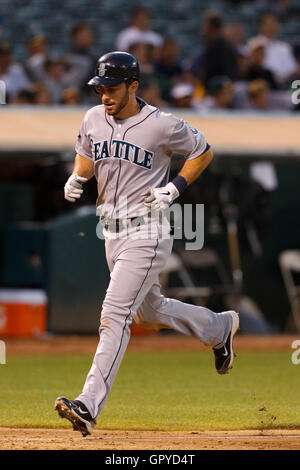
point(161, 198)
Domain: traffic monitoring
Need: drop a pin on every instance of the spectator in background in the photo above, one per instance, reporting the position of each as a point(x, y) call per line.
point(279, 57)
point(142, 52)
point(182, 95)
point(149, 91)
point(242, 64)
point(35, 94)
point(167, 68)
point(258, 95)
point(55, 78)
point(218, 56)
point(81, 60)
point(219, 94)
point(256, 70)
point(82, 38)
point(11, 72)
point(70, 97)
point(37, 56)
point(261, 98)
point(168, 63)
point(234, 32)
point(42, 95)
point(139, 32)
point(24, 97)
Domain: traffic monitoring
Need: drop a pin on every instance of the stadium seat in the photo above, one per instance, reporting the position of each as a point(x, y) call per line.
point(289, 262)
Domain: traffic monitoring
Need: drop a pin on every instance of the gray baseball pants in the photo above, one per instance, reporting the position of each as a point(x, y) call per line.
point(134, 292)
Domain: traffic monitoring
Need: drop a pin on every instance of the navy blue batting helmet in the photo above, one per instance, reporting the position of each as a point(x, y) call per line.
point(114, 68)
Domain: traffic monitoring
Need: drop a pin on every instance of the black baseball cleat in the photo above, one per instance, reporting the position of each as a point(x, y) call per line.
point(76, 412)
point(225, 355)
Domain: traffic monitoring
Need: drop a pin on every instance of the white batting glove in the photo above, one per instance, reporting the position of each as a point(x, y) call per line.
point(73, 187)
point(161, 198)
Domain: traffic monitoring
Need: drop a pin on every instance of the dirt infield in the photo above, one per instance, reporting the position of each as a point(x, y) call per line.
point(64, 439)
point(152, 342)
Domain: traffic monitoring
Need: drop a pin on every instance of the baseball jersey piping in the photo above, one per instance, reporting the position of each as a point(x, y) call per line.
point(117, 184)
point(136, 124)
point(127, 316)
point(112, 133)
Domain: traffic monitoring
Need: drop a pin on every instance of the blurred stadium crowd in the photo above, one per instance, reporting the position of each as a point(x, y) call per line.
point(225, 68)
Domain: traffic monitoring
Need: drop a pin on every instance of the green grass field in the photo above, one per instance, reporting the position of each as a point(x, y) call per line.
point(159, 391)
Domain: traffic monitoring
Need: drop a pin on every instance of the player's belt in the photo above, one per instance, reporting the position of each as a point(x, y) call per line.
point(117, 225)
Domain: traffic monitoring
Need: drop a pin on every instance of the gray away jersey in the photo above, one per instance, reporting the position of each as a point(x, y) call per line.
point(130, 155)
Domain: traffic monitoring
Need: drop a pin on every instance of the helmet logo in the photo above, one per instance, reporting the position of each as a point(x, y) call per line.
point(102, 70)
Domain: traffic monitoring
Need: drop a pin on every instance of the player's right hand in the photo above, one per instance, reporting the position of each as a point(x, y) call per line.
point(73, 187)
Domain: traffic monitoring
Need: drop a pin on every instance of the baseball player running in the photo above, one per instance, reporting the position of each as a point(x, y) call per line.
point(128, 144)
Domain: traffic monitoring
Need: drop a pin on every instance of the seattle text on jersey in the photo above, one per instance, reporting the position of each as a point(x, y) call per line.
point(122, 149)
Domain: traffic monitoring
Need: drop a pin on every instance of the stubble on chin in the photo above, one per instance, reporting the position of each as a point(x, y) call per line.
point(121, 106)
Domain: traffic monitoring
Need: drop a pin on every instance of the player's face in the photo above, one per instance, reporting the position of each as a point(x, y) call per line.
point(114, 98)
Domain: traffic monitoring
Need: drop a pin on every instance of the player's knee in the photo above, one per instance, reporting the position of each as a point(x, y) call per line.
point(114, 323)
point(112, 314)
point(109, 307)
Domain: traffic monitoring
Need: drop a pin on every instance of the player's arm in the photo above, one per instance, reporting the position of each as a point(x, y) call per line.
point(83, 170)
point(161, 198)
point(188, 141)
point(83, 167)
point(192, 169)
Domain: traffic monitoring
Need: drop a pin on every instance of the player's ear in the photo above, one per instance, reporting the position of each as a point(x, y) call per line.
point(134, 86)
point(97, 89)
